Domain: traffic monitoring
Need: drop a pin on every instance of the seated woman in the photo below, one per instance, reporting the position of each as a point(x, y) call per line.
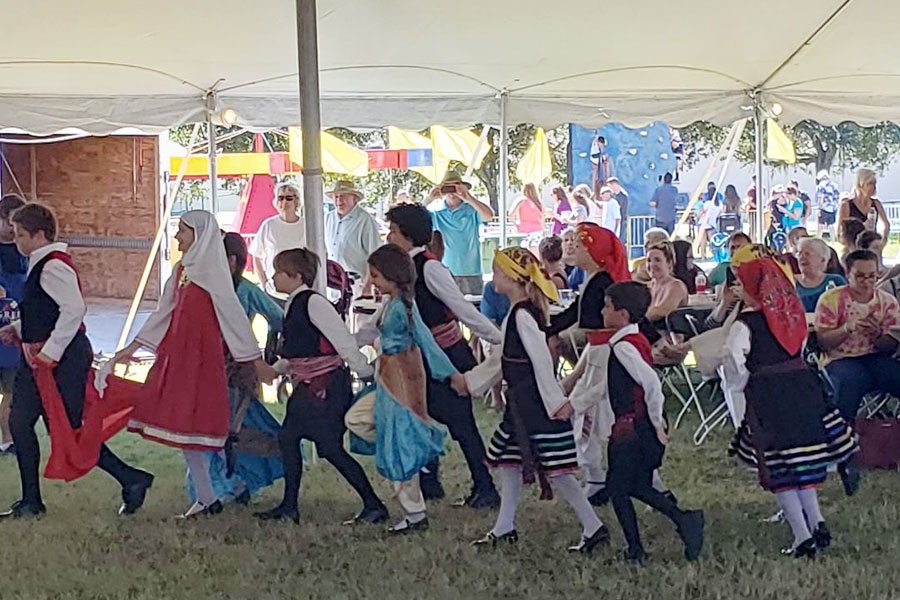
point(551, 251)
point(666, 291)
point(652, 236)
point(812, 281)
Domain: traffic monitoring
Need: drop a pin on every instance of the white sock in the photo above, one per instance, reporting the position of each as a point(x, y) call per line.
point(5, 446)
point(197, 467)
point(510, 489)
point(569, 490)
point(658, 484)
point(789, 501)
point(809, 499)
point(594, 480)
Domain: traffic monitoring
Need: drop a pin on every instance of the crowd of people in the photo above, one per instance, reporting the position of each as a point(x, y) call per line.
point(574, 298)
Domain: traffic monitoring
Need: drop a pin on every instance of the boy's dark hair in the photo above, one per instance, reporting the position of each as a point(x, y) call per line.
point(858, 256)
point(632, 296)
point(667, 178)
point(551, 249)
point(34, 217)
point(9, 204)
point(413, 221)
point(298, 261)
point(865, 239)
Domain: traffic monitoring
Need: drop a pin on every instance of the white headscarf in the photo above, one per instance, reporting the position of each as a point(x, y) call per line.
point(206, 265)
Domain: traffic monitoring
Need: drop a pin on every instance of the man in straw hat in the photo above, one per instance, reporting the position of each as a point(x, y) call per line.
point(351, 234)
point(458, 219)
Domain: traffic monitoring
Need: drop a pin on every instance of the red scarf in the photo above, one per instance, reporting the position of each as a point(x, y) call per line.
point(765, 282)
point(606, 250)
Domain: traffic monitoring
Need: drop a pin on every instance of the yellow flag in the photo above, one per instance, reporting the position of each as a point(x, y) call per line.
point(535, 166)
point(400, 139)
point(458, 145)
point(337, 156)
point(778, 145)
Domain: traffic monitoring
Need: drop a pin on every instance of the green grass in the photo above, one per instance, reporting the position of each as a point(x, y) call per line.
point(81, 549)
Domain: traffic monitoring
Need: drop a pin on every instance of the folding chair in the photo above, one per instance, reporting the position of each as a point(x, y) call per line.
point(690, 322)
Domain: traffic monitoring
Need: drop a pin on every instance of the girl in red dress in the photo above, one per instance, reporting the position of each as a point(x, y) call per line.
point(184, 402)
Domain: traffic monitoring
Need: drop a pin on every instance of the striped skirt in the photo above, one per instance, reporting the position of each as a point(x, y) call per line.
point(554, 451)
point(801, 465)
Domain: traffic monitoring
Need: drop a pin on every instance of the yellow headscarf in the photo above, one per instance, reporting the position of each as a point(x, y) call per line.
point(752, 252)
point(521, 265)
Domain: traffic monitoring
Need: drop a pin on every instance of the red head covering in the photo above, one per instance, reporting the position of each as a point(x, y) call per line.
point(765, 281)
point(606, 250)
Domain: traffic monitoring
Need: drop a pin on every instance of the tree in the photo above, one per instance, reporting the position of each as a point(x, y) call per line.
point(846, 145)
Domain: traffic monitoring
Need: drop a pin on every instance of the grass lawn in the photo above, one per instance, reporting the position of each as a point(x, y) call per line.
point(81, 549)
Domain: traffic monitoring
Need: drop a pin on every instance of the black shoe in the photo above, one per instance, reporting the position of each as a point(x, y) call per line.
point(279, 513)
point(587, 545)
point(510, 538)
point(806, 549)
point(370, 515)
point(10, 451)
point(21, 509)
point(485, 498)
point(822, 536)
point(600, 497)
point(243, 498)
point(198, 509)
point(635, 556)
point(133, 495)
point(691, 531)
point(850, 477)
point(407, 526)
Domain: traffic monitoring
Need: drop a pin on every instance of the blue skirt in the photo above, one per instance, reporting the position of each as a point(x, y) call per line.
point(255, 472)
point(404, 442)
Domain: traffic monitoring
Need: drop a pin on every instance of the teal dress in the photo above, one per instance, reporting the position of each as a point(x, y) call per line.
point(405, 442)
point(251, 472)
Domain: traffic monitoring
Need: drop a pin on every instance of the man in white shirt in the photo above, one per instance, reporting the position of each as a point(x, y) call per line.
point(351, 234)
point(284, 231)
point(612, 215)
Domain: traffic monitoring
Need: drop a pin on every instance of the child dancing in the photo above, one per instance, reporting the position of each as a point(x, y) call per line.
point(396, 419)
point(535, 437)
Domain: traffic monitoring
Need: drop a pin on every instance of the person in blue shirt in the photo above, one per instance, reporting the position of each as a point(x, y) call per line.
point(812, 281)
point(13, 266)
point(664, 199)
point(793, 209)
point(458, 215)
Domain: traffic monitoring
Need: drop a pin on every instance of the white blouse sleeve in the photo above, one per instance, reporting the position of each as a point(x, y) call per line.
point(734, 369)
point(535, 343)
point(329, 322)
point(441, 283)
point(154, 329)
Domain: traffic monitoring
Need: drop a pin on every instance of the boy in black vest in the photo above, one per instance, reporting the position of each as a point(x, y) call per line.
point(442, 305)
point(316, 349)
point(52, 313)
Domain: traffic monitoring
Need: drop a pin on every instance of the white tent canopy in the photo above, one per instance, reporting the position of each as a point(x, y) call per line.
point(107, 64)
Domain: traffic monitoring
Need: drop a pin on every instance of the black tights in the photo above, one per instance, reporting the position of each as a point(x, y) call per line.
point(625, 483)
point(330, 448)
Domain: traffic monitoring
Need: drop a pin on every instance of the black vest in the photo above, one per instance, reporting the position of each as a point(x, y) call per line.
point(624, 391)
point(517, 368)
point(39, 312)
point(764, 348)
point(302, 339)
point(433, 311)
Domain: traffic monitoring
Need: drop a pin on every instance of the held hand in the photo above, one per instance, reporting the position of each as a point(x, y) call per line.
point(661, 436)
point(124, 355)
point(565, 412)
point(42, 360)
point(458, 383)
point(264, 371)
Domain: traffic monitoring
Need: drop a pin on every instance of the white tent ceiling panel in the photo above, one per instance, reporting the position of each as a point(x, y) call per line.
point(106, 64)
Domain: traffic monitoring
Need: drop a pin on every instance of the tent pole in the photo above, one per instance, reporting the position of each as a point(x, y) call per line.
point(504, 166)
point(311, 126)
point(213, 168)
point(760, 198)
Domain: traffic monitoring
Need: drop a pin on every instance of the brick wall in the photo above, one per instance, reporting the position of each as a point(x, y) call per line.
point(98, 186)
